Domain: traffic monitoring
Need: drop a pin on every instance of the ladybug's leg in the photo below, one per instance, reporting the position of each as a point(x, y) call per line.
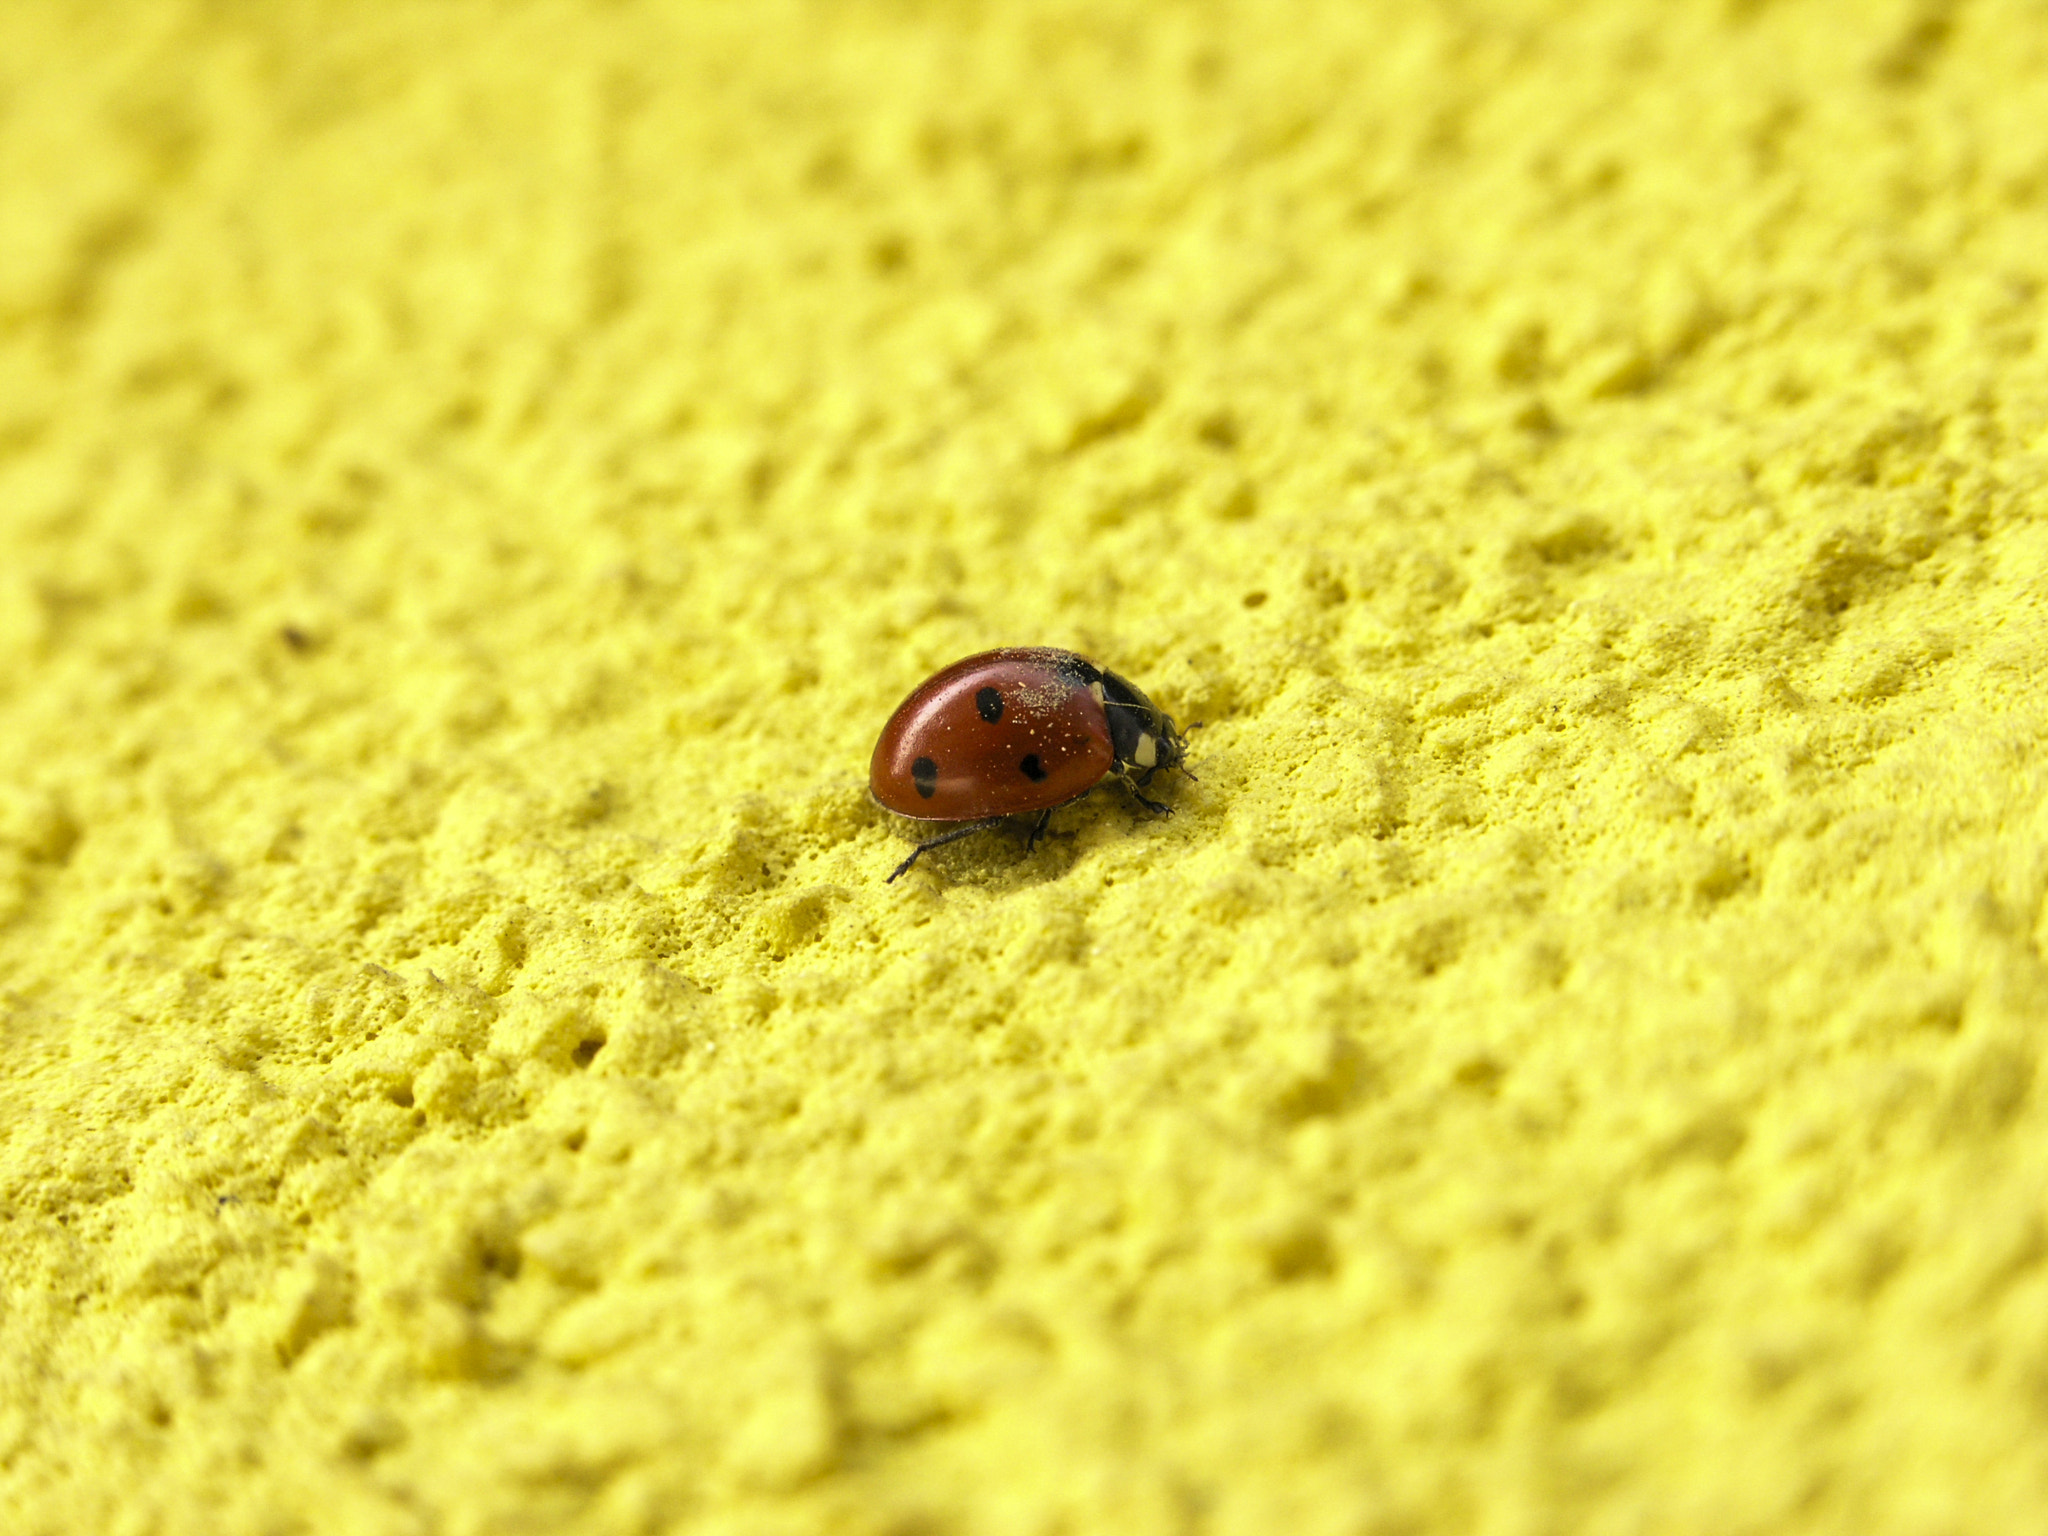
point(940, 841)
point(1037, 830)
point(1156, 807)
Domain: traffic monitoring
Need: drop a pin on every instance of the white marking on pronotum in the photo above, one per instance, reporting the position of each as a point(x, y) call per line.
point(1096, 689)
point(1147, 755)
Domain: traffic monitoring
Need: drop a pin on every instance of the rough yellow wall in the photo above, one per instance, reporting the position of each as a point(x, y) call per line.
point(473, 481)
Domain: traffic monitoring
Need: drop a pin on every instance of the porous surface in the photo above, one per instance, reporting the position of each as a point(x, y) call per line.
point(473, 482)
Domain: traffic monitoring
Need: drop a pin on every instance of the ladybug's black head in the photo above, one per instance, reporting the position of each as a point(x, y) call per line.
point(1142, 735)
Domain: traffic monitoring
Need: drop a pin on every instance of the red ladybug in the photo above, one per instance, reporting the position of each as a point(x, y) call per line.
point(1027, 728)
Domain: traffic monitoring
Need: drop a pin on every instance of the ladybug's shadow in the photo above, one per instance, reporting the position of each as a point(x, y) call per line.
point(1003, 851)
point(1000, 853)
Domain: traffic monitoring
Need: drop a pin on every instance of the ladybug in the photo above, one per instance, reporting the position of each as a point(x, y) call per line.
point(1025, 728)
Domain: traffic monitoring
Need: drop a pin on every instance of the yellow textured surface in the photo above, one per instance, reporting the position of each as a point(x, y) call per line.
point(473, 481)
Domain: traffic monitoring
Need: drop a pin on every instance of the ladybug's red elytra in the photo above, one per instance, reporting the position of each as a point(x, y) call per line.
point(1026, 728)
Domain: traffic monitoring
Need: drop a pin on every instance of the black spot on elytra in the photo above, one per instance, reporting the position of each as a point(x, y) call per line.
point(1032, 768)
point(924, 773)
point(990, 703)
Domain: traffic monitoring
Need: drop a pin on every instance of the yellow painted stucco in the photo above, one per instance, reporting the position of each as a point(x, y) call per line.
point(475, 478)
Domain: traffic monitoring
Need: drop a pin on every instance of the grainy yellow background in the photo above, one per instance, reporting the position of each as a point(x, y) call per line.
point(473, 481)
